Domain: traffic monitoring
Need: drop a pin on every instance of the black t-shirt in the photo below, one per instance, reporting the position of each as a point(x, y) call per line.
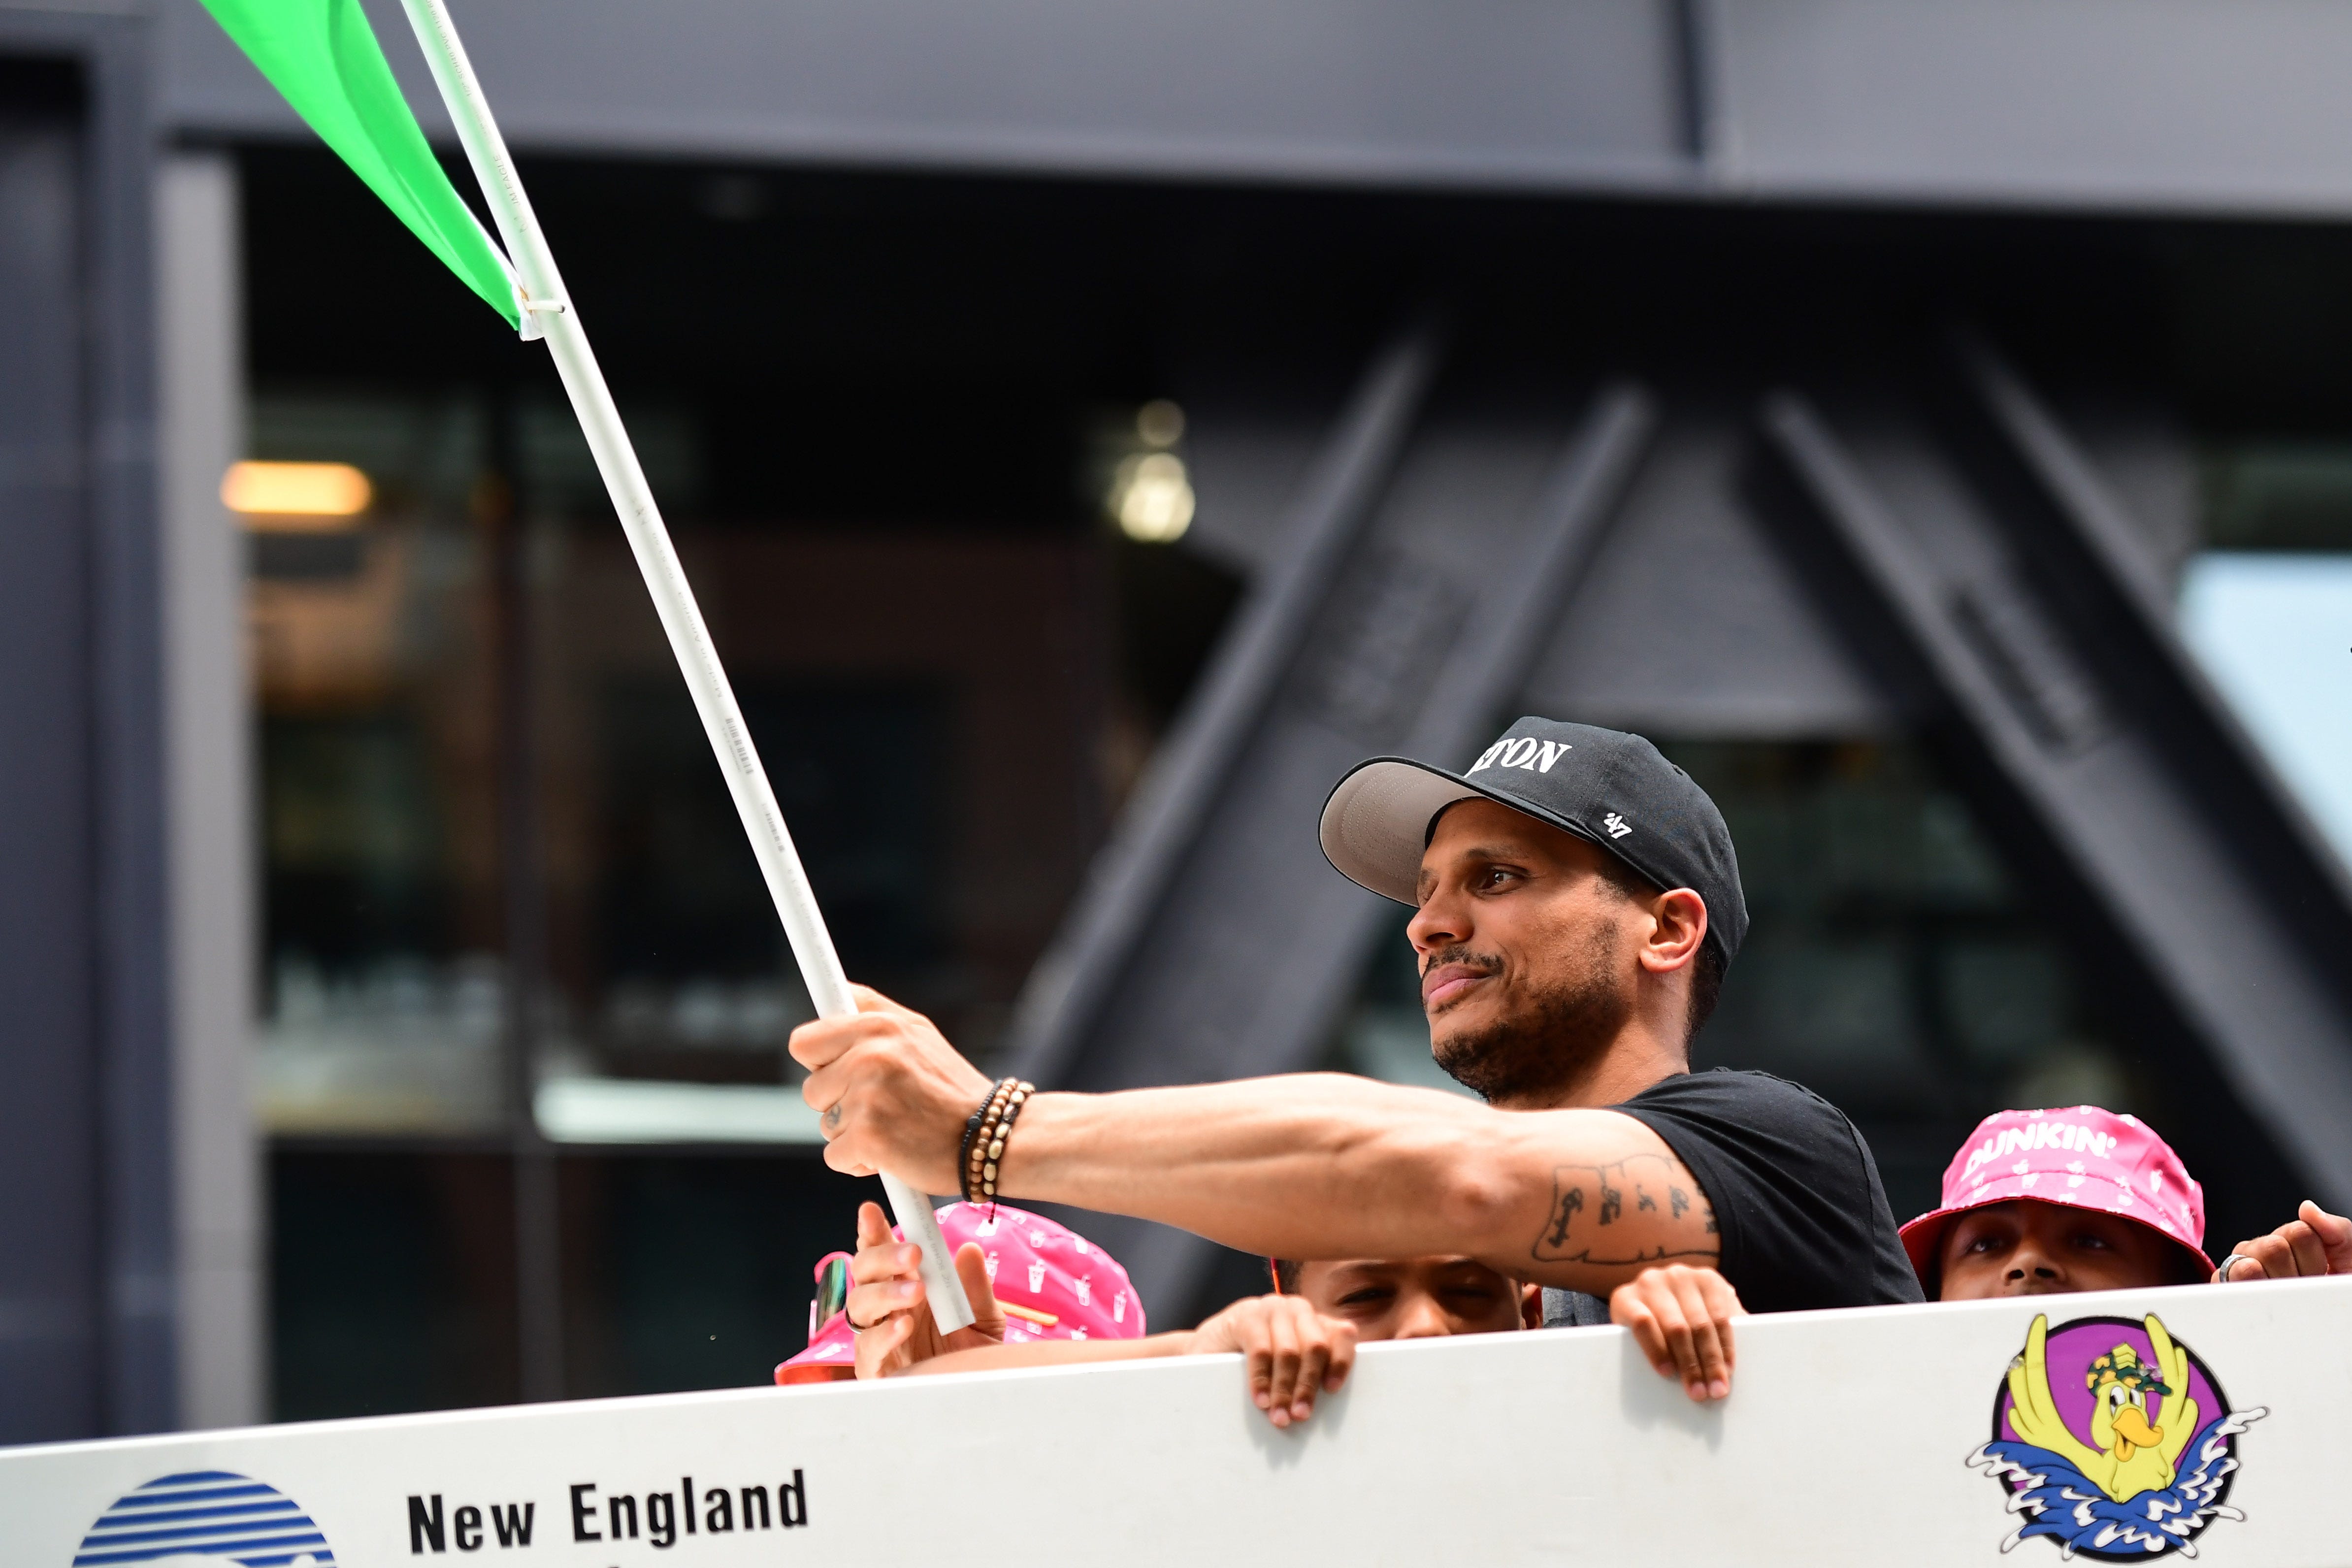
point(1802, 1218)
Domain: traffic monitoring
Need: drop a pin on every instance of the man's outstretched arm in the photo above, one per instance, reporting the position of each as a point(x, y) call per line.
point(1309, 1165)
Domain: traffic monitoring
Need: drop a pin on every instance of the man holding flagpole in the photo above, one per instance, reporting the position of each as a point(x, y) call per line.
point(1576, 903)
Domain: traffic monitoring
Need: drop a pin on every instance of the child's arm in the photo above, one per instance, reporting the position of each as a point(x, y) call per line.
point(1290, 1352)
point(1040, 1353)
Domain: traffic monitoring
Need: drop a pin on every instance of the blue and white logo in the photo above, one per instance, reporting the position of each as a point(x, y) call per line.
point(205, 1519)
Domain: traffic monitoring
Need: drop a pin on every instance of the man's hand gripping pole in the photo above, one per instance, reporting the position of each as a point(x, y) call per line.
point(546, 307)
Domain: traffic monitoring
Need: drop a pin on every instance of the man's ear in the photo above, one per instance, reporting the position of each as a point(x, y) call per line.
point(1531, 1306)
point(1679, 924)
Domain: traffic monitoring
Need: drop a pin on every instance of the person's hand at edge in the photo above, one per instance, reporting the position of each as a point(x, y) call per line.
point(889, 1093)
point(1681, 1317)
point(1291, 1352)
point(2315, 1242)
point(885, 1304)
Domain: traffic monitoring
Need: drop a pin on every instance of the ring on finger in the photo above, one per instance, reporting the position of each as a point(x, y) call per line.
point(2221, 1275)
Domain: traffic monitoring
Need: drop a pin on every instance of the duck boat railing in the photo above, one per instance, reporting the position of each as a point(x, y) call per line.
point(2205, 1422)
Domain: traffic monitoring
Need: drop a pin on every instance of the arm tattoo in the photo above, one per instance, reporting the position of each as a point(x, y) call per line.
point(1588, 1205)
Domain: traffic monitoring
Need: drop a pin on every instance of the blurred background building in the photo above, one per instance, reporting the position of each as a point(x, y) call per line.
point(1088, 431)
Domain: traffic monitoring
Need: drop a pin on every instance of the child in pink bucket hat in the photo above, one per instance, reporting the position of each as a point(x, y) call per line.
point(2039, 1202)
point(2078, 1198)
point(1052, 1283)
point(2068, 1199)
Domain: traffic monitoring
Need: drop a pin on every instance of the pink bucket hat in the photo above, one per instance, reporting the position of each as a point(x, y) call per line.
point(2085, 1156)
point(1053, 1284)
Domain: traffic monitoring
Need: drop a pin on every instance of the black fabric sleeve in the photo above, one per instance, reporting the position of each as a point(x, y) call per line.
point(1802, 1218)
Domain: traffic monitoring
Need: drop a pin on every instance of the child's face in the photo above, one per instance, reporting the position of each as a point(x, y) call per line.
point(2028, 1247)
point(1417, 1297)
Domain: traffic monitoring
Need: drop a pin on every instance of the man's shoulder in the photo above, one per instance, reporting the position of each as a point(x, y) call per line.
point(1735, 1087)
point(1773, 1120)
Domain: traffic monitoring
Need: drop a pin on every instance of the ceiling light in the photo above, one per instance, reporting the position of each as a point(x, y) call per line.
point(296, 495)
point(1152, 498)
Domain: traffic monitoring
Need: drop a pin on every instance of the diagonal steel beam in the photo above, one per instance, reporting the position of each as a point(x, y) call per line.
point(2097, 767)
point(1072, 980)
point(2108, 566)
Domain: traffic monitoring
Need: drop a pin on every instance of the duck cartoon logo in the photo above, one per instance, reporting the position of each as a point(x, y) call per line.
point(205, 1519)
point(2114, 1440)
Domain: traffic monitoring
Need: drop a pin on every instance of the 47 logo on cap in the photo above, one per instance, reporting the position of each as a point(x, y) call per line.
point(1536, 756)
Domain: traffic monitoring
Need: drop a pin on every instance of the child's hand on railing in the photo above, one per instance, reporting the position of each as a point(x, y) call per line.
point(1681, 1317)
point(1292, 1352)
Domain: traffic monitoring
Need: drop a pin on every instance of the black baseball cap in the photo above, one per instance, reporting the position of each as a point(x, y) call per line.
point(1609, 788)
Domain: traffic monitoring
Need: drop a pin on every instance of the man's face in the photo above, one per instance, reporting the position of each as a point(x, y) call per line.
point(1417, 1297)
point(2028, 1247)
point(1528, 953)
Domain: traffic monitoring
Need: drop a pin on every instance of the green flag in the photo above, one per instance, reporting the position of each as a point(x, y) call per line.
point(322, 56)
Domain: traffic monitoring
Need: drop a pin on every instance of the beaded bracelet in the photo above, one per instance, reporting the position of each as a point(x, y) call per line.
point(974, 1153)
point(980, 1133)
point(963, 1150)
point(1003, 1134)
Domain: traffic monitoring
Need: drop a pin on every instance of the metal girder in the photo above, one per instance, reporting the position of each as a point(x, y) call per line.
point(1975, 550)
point(1066, 989)
point(86, 1277)
point(2117, 105)
point(1429, 553)
point(2112, 583)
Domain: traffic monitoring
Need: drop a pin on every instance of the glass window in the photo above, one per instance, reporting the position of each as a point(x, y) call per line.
point(922, 700)
point(2267, 608)
point(384, 984)
point(928, 527)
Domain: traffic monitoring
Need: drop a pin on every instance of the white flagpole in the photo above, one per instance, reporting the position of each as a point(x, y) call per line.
point(545, 303)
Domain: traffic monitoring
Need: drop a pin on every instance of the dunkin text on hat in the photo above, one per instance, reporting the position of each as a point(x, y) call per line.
point(2071, 1136)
